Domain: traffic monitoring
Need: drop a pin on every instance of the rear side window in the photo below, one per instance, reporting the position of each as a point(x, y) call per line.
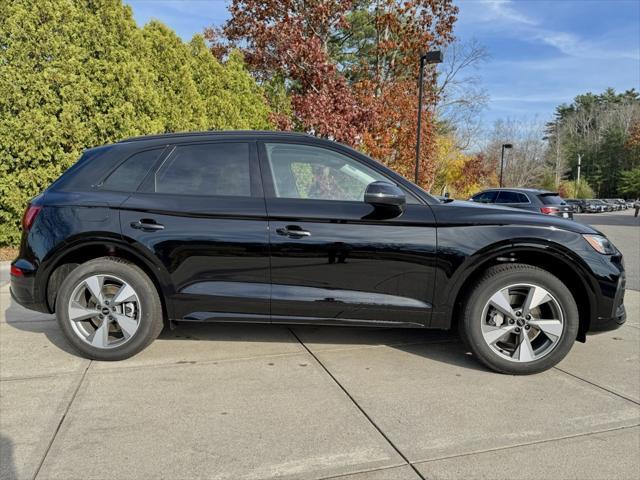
point(551, 199)
point(486, 197)
point(511, 197)
point(215, 169)
point(129, 174)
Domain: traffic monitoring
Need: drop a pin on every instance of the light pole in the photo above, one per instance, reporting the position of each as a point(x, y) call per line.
point(578, 177)
point(434, 56)
point(504, 146)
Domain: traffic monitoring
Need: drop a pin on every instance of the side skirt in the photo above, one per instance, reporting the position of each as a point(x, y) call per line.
point(223, 317)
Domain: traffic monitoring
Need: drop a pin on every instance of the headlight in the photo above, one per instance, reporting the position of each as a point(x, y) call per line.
point(600, 244)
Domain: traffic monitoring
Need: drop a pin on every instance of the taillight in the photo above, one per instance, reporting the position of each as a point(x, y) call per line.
point(16, 272)
point(549, 210)
point(29, 216)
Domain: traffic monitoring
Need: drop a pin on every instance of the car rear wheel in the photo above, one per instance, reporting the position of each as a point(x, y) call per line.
point(519, 319)
point(109, 309)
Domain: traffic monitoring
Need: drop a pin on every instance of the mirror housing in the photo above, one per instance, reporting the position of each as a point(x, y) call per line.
point(385, 194)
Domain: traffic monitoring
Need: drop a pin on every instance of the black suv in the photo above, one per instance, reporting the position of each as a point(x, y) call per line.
point(534, 200)
point(285, 228)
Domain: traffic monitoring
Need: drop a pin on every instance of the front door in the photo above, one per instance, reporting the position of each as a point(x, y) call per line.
point(334, 258)
point(202, 214)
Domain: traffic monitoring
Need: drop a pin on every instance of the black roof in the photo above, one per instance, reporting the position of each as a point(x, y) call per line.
point(215, 133)
point(518, 189)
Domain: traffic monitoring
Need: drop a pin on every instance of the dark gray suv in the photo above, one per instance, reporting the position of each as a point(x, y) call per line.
point(534, 200)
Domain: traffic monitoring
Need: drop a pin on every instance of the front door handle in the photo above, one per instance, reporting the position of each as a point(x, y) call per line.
point(147, 225)
point(293, 231)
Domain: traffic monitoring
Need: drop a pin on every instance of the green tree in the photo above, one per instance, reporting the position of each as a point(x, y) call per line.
point(630, 183)
point(80, 73)
point(600, 128)
point(170, 63)
point(71, 76)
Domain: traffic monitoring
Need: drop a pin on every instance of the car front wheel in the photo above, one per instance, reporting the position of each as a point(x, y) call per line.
point(519, 319)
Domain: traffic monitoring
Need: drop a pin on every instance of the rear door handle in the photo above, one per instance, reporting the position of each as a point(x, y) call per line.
point(147, 225)
point(293, 231)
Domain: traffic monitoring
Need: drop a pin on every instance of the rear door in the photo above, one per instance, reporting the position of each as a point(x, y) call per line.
point(507, 198)
point(334, 258)
point(201, 212)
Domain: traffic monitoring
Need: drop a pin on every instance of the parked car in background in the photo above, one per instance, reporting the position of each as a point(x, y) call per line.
point(534, 200)
point(579, 206)
point(622, 202)
point(615, 206)
point(591, 206)
point(284, 228)
point(599, 206)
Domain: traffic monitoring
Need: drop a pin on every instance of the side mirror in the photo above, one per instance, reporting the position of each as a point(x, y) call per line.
point(384, 194)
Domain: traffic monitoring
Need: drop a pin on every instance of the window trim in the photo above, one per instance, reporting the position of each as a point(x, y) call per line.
point(147, 186)
point(268, 176)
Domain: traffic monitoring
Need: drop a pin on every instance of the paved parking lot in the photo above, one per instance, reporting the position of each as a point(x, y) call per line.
point(251, 402)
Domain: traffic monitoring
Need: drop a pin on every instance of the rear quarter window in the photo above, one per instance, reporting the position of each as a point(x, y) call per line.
point(130, 173)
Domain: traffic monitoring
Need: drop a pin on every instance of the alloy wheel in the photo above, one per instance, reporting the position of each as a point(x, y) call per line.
point(104, 311)
point(522, 322)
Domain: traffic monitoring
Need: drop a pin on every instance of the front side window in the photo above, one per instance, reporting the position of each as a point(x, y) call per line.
point(129, 174)
point(214, 169)
point(308, 172)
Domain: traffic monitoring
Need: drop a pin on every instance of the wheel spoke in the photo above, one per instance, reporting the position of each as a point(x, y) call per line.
point(524, 352)
point(125, 294)
point(78, 313)
point(94, 284)
point(536, 297)
point(500, 301)
point(101, 336)
point(551, 328)
point(495, 334)
point(127, 324)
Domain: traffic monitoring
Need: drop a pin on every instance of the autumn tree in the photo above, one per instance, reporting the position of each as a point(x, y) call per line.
point(349, 67)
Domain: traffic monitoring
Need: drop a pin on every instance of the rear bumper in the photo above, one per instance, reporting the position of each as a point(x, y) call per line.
point(23, 290)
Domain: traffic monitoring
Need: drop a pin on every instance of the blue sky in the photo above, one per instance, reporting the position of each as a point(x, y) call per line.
point(542, 52)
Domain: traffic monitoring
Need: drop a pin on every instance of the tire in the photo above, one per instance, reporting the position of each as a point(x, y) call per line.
point(509, 337)
point(126, 319)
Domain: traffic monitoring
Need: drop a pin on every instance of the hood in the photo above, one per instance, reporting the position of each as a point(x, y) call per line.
point(472, 213)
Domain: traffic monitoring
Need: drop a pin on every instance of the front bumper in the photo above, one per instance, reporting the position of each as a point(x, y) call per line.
point(618, 313)
point(607, 324)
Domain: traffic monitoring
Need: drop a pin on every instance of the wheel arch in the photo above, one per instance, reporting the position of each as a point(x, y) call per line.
point(554, 258)
point(64, 261)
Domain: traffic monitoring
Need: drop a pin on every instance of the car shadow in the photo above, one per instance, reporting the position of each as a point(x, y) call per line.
point(435, 345)
point(7, 463)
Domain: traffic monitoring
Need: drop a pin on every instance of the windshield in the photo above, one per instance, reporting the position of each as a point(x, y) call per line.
point(551, 199)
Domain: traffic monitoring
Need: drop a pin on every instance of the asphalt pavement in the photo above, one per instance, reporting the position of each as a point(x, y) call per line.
point(252, 402)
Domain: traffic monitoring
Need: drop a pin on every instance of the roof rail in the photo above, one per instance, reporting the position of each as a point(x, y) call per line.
point(211, 132)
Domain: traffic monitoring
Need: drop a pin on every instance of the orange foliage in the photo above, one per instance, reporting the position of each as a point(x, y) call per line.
point(371, 104)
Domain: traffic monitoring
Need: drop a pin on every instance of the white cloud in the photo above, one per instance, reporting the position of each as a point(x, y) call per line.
point(503, 14)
